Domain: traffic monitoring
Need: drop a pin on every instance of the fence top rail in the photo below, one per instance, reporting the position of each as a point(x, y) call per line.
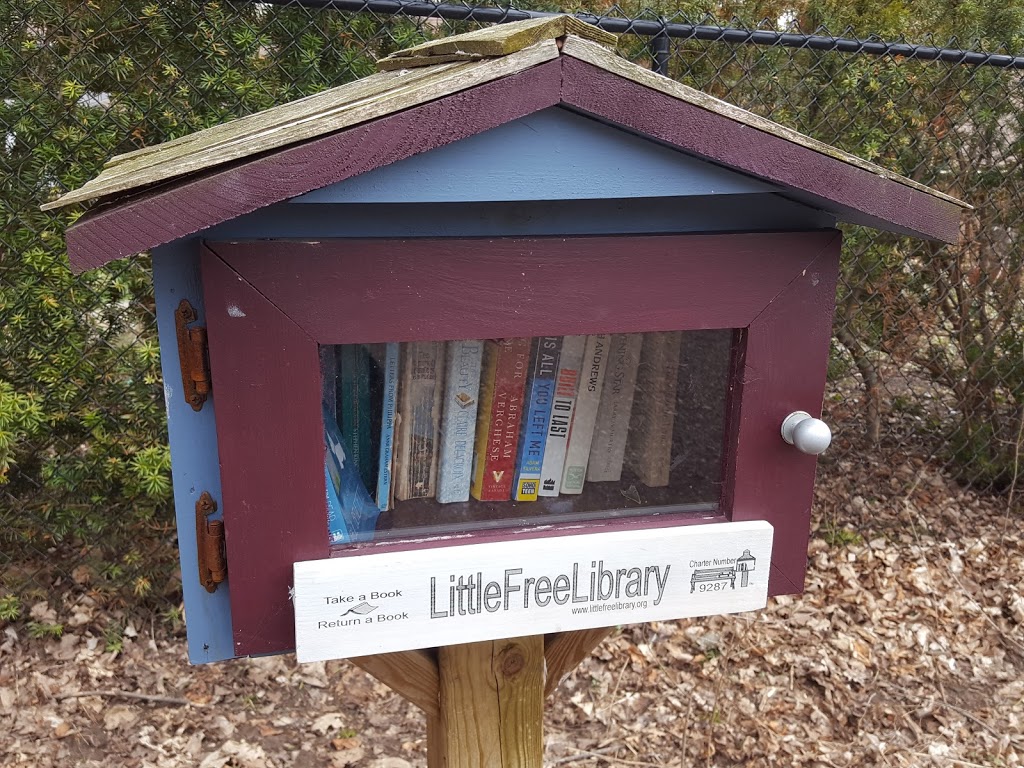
point(664, 28)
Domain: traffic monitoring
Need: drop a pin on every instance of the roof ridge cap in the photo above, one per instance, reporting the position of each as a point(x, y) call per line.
point(495, 41)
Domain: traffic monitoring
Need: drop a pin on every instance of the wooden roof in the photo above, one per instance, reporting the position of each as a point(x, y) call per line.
point(440, 81)
point(357, 102)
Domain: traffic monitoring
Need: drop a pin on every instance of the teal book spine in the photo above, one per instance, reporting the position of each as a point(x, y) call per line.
point(354, 409)
point(329, 378)
point(458, 420)
point(540, 393)
point(389, 408)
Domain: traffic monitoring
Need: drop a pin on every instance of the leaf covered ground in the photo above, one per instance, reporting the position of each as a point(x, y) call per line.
point(907, 649)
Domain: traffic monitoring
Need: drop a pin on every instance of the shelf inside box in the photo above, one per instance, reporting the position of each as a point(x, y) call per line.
point(598, 501)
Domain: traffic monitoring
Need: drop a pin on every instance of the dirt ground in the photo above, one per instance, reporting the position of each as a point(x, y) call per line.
point(907, 649)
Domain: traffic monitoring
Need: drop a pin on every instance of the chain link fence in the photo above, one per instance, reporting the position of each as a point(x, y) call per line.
point(928, 355)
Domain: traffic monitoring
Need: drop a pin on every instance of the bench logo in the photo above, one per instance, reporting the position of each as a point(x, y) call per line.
point(717, 574)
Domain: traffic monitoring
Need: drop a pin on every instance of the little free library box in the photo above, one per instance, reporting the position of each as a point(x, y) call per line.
point(513, 337)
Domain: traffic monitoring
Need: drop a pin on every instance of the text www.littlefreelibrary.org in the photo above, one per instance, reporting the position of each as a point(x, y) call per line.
point(616, 606)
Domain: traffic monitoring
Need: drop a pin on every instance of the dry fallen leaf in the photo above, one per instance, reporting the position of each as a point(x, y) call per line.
point(332, 721)
point(389, 762)
point(346, 757)
point(348, 743)
point(63, 729)
point(119, 717)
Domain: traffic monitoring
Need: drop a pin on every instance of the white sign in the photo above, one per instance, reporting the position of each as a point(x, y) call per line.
point(396, 601)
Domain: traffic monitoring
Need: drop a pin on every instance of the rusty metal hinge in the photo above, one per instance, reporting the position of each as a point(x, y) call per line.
point(194, 356)
point(213, 563)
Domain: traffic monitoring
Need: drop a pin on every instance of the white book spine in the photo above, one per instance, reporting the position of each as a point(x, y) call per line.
point(608, 447)
point(458, 420)
point(562, 406)
point(581, 434)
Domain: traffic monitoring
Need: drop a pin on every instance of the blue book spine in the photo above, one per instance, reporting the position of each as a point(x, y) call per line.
point(337, 531)
point(458, 420)
point(351, 513)
point(387, 427)
point(540, 394)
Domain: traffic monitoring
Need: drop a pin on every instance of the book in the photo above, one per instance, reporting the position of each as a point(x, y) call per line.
point(581, 432)
point(562, 406)
point(540, 390)
point(502, 383)
point(458, 420)
point(612, 426)
point(337, 531)
point(355, 409)
point(351, 513)
point(329, 378)
point(389, 405)
point(419, 419)
point(649, 443)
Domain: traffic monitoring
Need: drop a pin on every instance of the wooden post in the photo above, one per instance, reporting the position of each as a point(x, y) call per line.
point(484, 702)
point(437, 755)
point(492, 705)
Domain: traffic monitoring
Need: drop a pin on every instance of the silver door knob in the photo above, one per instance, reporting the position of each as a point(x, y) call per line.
point(808, 434)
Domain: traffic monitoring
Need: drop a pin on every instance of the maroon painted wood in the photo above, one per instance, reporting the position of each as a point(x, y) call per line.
point(266, 399)
point(182, 208)
point(347, 291)
point(783, 370)
point(883, 204)
point(264, 332)
point(168, 213)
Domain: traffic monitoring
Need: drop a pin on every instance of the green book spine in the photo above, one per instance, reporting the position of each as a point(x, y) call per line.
point(355, 409)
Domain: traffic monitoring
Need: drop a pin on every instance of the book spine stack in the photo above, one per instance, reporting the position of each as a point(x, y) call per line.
point(612, 425)
point(581, 434)
point(458, 420)
point(540, 393)
point(562, 407)
point(500, 413)
point(495, 420)
point(649, 445)
point(419, 409)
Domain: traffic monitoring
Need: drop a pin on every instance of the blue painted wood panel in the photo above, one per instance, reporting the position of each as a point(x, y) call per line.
point(194, 464)
point(553, 154)
point(726, 213)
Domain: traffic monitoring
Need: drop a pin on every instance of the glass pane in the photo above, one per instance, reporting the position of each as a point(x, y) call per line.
point(447, 436)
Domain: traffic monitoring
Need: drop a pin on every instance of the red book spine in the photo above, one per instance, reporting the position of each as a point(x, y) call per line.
point(503, 422)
